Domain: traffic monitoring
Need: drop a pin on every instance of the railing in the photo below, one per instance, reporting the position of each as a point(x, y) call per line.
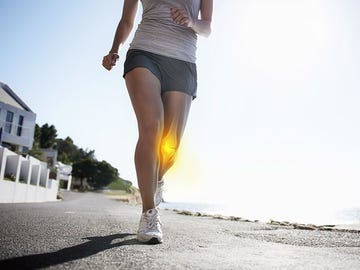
point(25, 179)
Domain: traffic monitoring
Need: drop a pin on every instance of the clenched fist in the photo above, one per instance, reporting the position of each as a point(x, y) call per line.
point(110, 60)
point(181, 16)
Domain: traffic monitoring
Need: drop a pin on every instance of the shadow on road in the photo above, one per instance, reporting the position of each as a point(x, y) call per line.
point(93, 246)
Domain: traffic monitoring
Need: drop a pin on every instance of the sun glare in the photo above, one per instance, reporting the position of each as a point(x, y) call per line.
point(185, 179)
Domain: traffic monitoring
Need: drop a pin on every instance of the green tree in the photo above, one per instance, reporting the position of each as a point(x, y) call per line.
point(69, 153)
point(84, 154)
point(37, 153)
point(96, 173)
point(104, 175)
point(37, 135)
point(35, 150)
point(65, 148)
point(84, 170)
point(48, 136)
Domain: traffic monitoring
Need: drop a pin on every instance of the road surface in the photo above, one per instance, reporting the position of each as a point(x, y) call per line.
point(91, 231)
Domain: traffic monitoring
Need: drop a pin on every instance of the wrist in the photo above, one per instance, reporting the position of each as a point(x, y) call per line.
point(193, 23)
point(114, 49)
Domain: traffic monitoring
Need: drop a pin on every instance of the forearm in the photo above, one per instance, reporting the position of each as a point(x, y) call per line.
point(122, 33)
point(201, 27)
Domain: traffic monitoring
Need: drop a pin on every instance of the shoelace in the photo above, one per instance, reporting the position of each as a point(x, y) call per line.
point(153, 222)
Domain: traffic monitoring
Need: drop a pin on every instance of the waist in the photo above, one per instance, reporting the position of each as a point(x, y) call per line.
point(177, 42)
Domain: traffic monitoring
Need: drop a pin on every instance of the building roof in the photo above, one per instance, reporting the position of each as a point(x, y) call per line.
point(7, 95)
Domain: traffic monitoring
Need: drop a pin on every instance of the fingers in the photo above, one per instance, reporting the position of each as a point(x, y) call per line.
point(110, 60)
point(106, 64)
point(181, 17)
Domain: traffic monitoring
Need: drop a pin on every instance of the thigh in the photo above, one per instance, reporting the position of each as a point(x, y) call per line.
point(176, 109)
point(145, 93)
point(179, 76)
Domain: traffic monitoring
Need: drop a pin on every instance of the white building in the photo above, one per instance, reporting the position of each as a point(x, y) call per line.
point(22, 178)
point(17, 121)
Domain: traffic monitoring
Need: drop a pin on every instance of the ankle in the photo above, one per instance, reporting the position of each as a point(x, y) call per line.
point(148, 207)
point(161, 180)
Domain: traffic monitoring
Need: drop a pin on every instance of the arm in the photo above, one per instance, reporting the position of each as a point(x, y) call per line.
point(122, 32)
point(201, 26)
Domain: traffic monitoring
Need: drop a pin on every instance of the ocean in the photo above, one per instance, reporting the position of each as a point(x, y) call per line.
point(311, 215)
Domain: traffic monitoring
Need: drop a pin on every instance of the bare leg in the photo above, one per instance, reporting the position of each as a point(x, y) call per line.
point(144, 91)
point(176, 110)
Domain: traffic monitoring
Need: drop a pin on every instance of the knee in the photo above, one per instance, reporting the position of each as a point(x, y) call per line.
point(151, 131)
point(169, 147)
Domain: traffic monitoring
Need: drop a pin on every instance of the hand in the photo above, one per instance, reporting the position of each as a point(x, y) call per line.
point(110, 60)
point(181, 17)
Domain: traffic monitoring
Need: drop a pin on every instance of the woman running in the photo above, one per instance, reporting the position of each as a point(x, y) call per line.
point(161, 78)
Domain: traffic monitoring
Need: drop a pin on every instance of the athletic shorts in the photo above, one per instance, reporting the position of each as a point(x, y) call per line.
point(173, 74)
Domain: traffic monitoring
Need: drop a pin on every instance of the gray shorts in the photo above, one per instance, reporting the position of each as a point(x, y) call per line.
point(173, 74)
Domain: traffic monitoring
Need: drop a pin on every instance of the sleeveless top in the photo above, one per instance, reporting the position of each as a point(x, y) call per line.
point(158, 33)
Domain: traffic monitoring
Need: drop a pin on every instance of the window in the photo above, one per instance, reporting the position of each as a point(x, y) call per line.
point(20, 125)
point(9, 120)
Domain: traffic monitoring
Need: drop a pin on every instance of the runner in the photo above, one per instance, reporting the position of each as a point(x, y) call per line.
point(161, 78)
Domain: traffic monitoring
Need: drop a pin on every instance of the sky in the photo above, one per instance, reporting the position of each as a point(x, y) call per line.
point(276, 124)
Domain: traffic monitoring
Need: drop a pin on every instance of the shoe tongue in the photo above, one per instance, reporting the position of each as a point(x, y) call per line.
point(151, 212)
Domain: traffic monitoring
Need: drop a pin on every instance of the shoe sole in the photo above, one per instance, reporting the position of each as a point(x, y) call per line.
point(152, 241)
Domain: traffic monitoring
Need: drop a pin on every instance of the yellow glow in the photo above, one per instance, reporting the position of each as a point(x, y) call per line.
point(185, 179)
point(168, 149)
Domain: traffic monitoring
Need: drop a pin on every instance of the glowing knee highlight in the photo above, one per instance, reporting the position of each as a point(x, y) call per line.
point(168, 149)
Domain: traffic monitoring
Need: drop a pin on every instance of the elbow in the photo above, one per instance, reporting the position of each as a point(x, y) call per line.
point(202, 28)
point(207, 30)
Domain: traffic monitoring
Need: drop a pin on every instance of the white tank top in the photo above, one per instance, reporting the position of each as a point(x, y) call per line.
point(157, 33)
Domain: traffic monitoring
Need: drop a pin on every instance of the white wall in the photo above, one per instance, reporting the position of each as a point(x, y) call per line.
point(35, 185)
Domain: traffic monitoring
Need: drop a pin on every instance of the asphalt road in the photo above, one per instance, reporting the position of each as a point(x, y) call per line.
point(90, 231)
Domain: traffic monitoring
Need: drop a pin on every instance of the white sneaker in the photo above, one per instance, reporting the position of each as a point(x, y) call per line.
point(159, 193)
point(150, 227)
